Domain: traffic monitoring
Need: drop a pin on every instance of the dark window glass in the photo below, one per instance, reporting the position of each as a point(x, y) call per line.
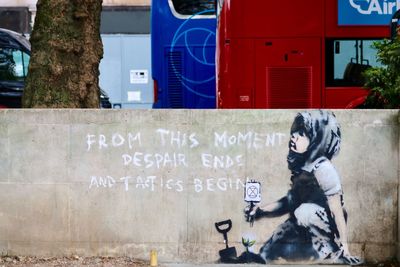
point(346, 60)
point(15, 19)
point(13, 64)
point(126, 20)
point(192, 7)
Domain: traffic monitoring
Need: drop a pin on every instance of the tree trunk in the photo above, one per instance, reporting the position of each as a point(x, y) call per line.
point(66, 52)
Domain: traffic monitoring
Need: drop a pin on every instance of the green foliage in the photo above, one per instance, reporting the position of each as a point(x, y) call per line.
point(247, 243)
point(384, 82)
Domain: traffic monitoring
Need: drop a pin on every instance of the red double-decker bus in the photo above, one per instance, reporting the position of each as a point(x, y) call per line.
point(294, 54)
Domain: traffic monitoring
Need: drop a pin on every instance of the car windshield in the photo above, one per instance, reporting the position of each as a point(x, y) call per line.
point(13, 64)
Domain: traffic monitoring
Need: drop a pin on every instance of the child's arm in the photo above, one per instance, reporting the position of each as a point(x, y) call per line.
point(273, 209)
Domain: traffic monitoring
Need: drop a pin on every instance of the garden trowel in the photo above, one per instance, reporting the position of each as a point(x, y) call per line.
point(228, 254)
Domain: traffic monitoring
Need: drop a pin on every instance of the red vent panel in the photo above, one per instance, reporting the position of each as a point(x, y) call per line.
point(289, 87)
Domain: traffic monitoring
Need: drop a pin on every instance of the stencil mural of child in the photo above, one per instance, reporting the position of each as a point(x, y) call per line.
point(316, 229)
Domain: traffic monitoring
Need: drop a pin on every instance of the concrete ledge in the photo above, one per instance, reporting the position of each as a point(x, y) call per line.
point(247, 265)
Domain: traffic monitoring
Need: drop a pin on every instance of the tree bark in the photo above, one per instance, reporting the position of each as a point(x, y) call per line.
point(66, 53)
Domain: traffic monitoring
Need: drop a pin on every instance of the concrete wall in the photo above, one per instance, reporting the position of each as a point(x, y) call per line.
point(65, 188)
point(398, 213)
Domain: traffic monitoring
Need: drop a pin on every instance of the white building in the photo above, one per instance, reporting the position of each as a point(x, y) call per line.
point(13, 13)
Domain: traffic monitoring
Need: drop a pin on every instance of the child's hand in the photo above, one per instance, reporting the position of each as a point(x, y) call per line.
point(250, 212)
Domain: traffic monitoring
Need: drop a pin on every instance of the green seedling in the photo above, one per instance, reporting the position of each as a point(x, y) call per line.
point(247, 243)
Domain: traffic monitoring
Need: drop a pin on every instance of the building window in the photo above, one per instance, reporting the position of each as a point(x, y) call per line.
point(15, 18)
point(125, 20)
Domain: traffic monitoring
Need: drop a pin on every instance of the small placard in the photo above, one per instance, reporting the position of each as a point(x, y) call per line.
point(252, 192)
point(139, 76)
point(134, 96)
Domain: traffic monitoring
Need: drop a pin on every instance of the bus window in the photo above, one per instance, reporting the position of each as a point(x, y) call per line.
point(193, 7)
point(346, 60)
point(13, 64)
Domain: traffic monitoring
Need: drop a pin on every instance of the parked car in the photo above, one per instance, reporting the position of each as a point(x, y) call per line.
point(15, 51)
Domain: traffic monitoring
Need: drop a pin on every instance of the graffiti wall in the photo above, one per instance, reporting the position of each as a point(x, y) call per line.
point(201, 186)
point(316, 228)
